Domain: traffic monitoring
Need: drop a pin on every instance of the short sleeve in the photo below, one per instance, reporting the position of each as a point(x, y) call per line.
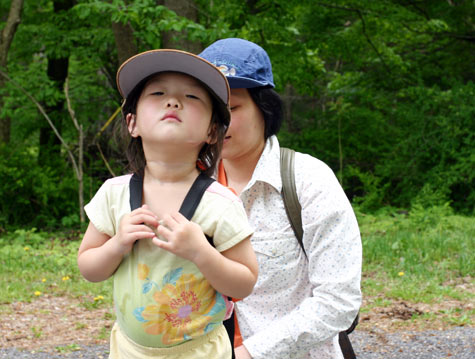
point(221, 215)
point(232, 227)
point(109, 204)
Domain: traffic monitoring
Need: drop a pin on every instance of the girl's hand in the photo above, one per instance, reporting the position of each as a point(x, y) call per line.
point(183, 237)
point(133, 226)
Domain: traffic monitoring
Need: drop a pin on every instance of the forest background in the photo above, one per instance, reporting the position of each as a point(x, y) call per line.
point(382, 91)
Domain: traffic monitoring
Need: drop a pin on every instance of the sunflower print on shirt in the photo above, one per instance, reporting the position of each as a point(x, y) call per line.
point(184, 306)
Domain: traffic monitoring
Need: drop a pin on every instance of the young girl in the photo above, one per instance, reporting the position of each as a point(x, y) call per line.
point(170, 283)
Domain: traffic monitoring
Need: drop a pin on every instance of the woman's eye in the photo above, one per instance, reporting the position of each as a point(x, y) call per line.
point(233, 108)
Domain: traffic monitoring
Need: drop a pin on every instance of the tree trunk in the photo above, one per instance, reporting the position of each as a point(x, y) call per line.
point(184, 8)
point(124, 41)
point(287, 99)
point(13, 20)
point(50, 145)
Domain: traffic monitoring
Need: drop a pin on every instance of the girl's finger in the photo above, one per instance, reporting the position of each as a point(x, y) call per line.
point(144, 218)
point(178, 217)
point(143, 210)
point(140, 235)
point(163, 230)
point(161, 244)
point(169, 222)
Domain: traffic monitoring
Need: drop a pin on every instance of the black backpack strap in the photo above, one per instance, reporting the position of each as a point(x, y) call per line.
point(345, 346)
point(135, 191)
point(190, 203)
point(193, 197)
point(188, 208)
point(294, 213)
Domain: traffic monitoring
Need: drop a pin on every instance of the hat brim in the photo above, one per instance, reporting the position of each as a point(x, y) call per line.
point(140, 66)
point(236, 82)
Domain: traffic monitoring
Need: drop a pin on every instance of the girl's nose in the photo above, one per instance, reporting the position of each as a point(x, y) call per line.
point(173, 103)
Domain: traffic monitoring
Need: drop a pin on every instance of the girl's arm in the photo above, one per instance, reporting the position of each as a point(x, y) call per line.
point(99, 254)
point(232, 273)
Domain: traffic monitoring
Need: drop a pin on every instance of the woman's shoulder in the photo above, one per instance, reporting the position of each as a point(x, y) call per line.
point(308, 163)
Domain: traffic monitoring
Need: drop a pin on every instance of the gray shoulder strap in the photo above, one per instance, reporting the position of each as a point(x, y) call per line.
point(289, 193)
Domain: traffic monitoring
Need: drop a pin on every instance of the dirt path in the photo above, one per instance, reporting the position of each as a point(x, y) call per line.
point(47, 323)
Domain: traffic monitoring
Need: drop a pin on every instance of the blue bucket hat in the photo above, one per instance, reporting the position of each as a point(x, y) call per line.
point(245, 64)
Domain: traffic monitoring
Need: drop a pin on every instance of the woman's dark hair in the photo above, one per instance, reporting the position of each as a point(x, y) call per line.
point(209, 154)
point(270, 104)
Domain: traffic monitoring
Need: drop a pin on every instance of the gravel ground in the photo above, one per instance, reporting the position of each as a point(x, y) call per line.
point(456, 343)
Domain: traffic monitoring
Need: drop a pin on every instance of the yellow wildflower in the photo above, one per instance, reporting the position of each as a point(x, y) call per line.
point(99, 297)
point(43, 280)
point(400, 274)
point(37, 293)
point(26, 248)
point(65, 278)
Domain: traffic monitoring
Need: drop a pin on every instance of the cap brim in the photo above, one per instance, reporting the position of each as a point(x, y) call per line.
point(236, 82)
point(148, 63)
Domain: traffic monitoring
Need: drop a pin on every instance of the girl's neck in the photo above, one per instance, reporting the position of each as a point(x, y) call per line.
point(170, 172)
point(170, 164)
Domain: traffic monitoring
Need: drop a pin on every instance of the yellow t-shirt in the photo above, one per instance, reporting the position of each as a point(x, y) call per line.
point(161, 299)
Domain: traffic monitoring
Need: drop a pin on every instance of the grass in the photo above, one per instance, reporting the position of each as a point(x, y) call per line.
point(34, 263)
point(425, 255)
point(421, 256)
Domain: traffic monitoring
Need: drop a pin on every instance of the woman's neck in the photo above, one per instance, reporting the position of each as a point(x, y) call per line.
point(239, 170)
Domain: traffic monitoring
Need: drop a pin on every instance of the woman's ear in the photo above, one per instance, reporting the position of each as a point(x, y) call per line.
point(130, 119)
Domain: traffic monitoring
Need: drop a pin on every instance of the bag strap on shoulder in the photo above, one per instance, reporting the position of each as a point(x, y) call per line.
point(294, 213)
point(190, 203)
point(289, 193)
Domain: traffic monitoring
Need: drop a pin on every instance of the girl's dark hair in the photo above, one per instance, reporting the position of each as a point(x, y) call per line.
point(270, 104)
point(209, 154)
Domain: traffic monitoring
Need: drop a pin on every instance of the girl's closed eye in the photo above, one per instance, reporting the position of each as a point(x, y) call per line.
point(158, 93)
point(192, 96)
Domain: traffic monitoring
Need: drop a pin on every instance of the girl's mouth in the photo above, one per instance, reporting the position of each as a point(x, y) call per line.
point(171, 116)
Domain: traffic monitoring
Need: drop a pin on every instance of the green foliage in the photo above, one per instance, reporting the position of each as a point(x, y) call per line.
point(32, 195)
point(382, 91)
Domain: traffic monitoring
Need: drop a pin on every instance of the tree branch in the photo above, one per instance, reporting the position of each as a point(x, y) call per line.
point(45, 115)
point(8, 31)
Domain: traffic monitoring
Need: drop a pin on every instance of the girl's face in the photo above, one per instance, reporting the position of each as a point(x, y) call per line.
point(245, 135)
point(173, 108)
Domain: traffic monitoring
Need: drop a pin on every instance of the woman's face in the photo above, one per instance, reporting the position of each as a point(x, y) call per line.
point(245, 135)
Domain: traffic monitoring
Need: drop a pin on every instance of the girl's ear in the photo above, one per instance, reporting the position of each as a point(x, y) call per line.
point(131, 124)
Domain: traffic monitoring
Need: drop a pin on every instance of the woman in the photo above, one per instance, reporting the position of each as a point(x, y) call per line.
point(301, 300)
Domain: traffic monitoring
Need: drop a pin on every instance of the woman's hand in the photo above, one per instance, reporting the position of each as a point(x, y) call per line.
point(242, 353)
point(183, 237)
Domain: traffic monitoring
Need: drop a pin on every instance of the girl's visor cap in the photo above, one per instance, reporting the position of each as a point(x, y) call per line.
point(140, 66)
